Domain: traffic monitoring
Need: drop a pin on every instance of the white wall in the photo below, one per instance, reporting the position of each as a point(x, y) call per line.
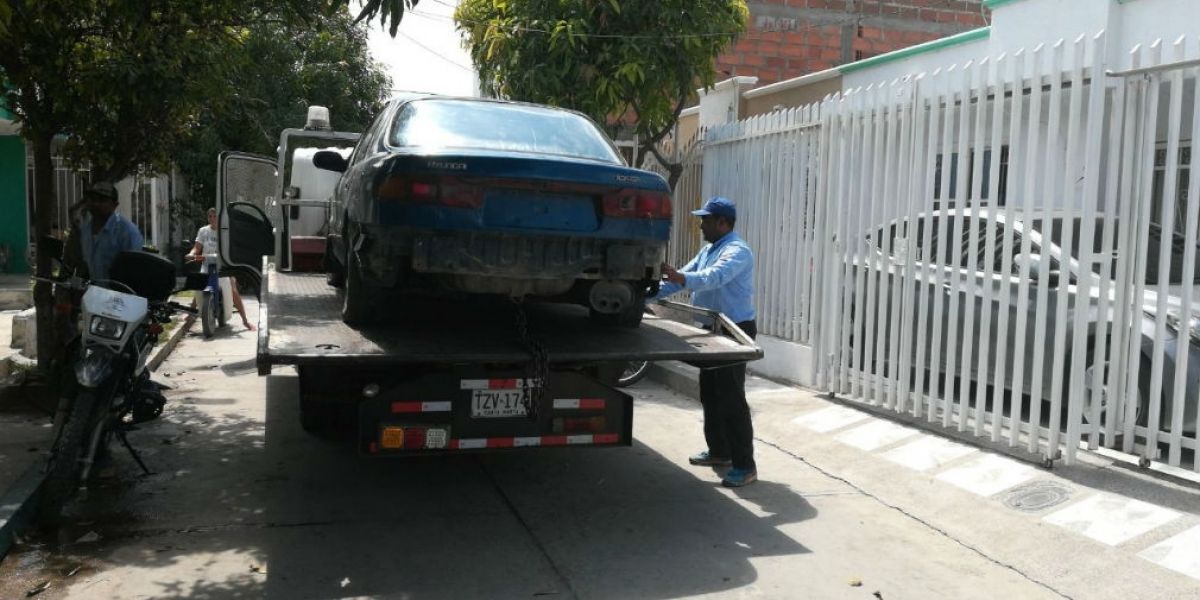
point(720, 104)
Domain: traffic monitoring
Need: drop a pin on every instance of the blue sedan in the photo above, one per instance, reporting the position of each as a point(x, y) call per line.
point(456, 196)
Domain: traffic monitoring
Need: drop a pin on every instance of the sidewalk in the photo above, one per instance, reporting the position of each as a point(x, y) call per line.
point(25, 438)
point(1091, 530)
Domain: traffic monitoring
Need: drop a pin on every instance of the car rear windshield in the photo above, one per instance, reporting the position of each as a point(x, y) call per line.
point(501, 127)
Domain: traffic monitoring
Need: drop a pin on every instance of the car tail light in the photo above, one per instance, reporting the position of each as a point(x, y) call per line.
point(446, 192)
point(637, 204)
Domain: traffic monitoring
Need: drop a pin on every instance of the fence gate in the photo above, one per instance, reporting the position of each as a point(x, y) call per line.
point(1155, 118)
point(967, 226)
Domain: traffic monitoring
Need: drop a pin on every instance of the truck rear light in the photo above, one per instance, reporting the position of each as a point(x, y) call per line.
point(579, 424)
point(445, 191)
point(396, 437)
point(392, 438)
point(637, 204)
point(414, 438)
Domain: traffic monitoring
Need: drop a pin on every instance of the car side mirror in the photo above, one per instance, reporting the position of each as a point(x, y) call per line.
point(330, 161)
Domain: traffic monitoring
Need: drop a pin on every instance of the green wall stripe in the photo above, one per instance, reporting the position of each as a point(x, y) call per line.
point(930, 46)
point(14, 231)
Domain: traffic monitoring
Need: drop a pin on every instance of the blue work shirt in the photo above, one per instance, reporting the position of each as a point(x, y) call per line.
point(101, 249)
point(720, 278)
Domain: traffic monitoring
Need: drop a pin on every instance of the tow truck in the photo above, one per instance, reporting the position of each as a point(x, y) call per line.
point(477, 374)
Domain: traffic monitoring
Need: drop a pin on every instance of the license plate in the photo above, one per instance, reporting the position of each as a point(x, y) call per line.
point(497, 403)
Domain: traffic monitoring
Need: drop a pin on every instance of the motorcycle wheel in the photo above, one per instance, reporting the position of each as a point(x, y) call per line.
point(635, 371)
point(208, 318)
point(62, 474)
point(220, 311)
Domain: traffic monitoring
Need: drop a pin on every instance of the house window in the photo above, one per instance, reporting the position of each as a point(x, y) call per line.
point(1181, 189)
point(948, 196)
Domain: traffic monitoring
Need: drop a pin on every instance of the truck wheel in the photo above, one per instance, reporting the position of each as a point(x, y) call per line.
point(318, 418)
point(358, 308)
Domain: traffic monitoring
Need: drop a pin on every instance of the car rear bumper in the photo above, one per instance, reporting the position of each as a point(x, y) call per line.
point(514, 256)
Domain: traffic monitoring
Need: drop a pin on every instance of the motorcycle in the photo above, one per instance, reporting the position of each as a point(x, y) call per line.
point(110, 391)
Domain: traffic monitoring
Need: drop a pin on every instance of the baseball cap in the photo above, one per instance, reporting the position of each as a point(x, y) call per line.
point(103, 190)
point(718, 207)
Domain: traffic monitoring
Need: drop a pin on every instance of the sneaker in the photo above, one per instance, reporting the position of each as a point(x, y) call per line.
point(739, 477)
point(708, 460)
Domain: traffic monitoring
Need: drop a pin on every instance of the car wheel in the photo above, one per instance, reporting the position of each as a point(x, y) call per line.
point(334, 274)
point(1097, 402)
point(358, 307)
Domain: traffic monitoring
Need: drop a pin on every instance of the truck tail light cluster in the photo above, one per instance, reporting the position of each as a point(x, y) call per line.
point(446, 191)
point(394, 437)
point(637, 204)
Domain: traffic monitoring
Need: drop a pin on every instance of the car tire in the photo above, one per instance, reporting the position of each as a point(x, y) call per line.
point(1141, 415)
point(335, 275)
point(358, 308)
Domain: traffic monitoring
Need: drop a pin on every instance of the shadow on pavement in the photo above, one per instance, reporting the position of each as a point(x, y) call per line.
point(236, 509)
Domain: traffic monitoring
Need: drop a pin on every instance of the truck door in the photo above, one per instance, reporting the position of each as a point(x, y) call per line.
point(246, 185)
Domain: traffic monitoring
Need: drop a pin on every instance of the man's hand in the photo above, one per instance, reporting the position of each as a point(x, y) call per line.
point(191, 257)
point(672, 275)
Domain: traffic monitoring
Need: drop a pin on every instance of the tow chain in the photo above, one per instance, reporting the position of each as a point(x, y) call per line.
point(539, 371)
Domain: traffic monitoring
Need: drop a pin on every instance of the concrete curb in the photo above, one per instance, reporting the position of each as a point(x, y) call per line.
point(19, 502)
point(18, 505)
point(165, 350)
point(681, 377)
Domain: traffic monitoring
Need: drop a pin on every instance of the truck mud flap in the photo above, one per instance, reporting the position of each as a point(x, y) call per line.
point(469, 409)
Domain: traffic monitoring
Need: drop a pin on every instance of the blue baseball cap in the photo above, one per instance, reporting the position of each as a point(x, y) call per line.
point(717, 207)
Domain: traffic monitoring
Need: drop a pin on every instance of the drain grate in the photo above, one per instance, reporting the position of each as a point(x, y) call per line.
point(1037, 495)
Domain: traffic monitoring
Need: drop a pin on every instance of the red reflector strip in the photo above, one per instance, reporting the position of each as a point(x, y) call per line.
point(579, 403)
point(420, 407)
point(526, 442)
point(497, 384)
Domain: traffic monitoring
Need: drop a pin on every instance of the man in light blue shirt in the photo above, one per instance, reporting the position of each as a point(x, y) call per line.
point(721, 278)
point(103, 233)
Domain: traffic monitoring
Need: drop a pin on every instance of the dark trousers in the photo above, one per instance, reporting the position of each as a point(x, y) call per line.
point(727, 426)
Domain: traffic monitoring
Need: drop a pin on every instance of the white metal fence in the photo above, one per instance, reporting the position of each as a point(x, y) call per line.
point(1005, 248)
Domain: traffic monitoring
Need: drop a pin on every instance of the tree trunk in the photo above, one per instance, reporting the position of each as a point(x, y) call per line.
point(44, 204)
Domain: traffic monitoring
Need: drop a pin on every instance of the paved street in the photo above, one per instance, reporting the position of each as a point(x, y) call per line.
point(244, 504)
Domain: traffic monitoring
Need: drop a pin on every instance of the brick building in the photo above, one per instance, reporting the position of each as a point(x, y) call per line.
point(790, 38)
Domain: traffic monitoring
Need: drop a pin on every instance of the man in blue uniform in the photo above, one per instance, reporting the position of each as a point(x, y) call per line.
point(721, 278)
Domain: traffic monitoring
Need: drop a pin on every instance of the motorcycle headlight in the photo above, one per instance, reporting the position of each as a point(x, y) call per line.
point(106, 327)
point(1175, 322)
point(93, 367)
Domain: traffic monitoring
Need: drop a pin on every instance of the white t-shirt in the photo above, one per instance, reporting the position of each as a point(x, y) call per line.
point(207, 238)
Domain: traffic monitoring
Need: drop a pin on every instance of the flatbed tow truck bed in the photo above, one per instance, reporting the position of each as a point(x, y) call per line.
point(302, 325)
point(445, 376)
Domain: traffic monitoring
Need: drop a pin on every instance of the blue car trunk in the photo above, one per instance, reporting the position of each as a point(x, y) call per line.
point(525, 209)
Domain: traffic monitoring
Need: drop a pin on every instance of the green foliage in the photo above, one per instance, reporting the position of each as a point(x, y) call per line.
point(281, 69)
point(390, 12)
point(605, 58)
point(124, 79)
